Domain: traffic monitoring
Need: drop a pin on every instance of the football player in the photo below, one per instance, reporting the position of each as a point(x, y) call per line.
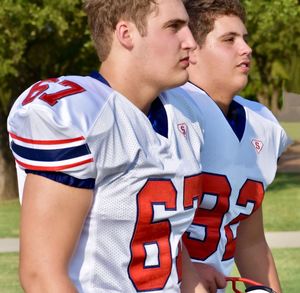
point(242, 144)
point(106, 198)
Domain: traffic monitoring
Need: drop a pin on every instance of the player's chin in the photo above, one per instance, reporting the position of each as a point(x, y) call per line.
point(241, 83)
point(182, 78)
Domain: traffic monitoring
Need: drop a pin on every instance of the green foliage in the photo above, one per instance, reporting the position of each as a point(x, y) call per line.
point(274, 32)
point(39, 39)
point(293, 84)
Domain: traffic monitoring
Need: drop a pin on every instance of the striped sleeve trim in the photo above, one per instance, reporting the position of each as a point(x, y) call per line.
point(45, 142)
point(50, 155)
point(66, 179)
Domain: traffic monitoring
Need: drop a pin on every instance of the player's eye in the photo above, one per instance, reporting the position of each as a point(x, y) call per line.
point(229, 40)
point(175, 25)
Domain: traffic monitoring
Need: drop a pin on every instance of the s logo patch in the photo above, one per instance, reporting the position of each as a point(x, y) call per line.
point(182, 127)
point(258, 145)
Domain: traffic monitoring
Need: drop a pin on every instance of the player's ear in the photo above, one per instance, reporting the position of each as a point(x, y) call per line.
point(124, 33)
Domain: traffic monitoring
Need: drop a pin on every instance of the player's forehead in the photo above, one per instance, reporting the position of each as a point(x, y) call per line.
point(169, 10)
point(229, 24)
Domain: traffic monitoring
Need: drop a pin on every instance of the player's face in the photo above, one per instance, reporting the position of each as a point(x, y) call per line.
point(163, 53)
point(223, 61)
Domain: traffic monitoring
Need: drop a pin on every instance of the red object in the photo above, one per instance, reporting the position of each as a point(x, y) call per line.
point(234, 280)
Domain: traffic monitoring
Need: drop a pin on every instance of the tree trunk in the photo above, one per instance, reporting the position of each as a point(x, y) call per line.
point(8, 179)
point(262, 97)
point(274, 102)
point(8, 182)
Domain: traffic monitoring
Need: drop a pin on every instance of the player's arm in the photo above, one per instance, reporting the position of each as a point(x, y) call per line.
point(253, 256)
point(190, 279)
point(52, 216)
point(198, 278)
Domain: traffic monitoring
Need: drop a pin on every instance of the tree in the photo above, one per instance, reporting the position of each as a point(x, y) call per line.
point(49, 38)
point(274, 35)
point(38, 39)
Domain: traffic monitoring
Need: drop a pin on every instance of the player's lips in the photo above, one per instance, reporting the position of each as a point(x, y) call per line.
point(244, 65)
point(185, 61)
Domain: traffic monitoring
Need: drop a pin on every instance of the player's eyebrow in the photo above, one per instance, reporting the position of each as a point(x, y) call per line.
point(179, 22)
point(234, 34)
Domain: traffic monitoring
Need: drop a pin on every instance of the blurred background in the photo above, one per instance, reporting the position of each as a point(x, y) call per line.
point(47, 38)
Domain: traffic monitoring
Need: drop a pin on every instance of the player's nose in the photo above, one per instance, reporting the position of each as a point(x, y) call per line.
point(189, 41)
point(246, 49)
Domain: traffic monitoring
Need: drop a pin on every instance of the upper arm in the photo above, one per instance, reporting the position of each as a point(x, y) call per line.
point(251, 230)
point(52, 139)
point(52, 216)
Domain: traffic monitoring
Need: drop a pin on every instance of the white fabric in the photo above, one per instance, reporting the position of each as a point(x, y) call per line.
point(236, 174)
point(139, 178)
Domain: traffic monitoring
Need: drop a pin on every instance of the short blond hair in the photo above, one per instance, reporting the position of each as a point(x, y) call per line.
point(103, 16)
point(203, 14)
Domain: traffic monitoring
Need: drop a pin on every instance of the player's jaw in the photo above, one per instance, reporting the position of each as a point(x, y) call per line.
point(178, 74)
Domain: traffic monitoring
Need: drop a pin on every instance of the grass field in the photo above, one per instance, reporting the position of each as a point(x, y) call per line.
point(292, 129)
point(288, 266)
point(287, 261)
point(281, 213)
point(281, 205)
point(9, 273)
point(9, 218)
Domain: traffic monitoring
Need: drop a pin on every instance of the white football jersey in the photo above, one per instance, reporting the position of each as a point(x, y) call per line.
point(237, 168)
point(80, 132)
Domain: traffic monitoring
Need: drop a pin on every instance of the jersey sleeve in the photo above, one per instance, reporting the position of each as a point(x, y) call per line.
point(47, 137)
point(285, 141)
point(257, 107)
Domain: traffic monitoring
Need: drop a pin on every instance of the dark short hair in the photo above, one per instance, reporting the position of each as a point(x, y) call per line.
point(203, 14)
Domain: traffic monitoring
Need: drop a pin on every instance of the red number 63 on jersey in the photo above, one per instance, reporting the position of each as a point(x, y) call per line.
point(157, 234)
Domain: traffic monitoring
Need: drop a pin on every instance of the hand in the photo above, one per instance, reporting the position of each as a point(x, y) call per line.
point(209, 278)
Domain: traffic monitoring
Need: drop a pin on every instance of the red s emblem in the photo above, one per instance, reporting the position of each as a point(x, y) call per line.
point(258, 145)
point(182, 128)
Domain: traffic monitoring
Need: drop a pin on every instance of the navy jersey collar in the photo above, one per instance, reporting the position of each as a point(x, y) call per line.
point(95, 74)
point(236, 116)
point(158, 117)
point(157, 113)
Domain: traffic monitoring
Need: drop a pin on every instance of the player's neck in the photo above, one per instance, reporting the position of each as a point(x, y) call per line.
point(222, 98)
point(129, 85)
point(224, 106)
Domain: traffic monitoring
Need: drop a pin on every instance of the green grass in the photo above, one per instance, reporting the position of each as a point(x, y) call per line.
point(288, 266)
point(292, 129)
point(9, 273)
point(281, 213)
point(287, 261)
point(9, 218)
point(281, 205)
